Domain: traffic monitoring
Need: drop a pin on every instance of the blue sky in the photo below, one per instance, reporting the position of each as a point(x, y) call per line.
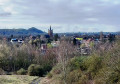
point(63, 15)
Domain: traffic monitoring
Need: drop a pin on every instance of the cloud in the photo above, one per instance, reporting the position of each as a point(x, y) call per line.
point(5, 14)
point(89, 14)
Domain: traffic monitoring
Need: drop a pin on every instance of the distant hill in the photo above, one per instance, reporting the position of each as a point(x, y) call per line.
point(34, 30)
point(30, 31)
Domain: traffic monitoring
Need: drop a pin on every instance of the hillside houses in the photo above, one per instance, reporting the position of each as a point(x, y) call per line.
point(46, 41)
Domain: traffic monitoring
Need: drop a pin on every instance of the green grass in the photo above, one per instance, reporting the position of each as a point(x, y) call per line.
point(16, 79)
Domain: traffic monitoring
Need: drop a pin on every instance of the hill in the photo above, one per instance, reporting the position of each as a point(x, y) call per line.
point(30, 31)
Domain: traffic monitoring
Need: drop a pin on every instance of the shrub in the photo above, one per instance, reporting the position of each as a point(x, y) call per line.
point(77, 63)
point(21, 72)
point(93, 64)
point(57, 69)
point(49, 75)
point(113, 78)
point(83, 79)
point(99, 81)
point(47, 68)
point(2, 72)
point(13, 73)
point(35, 70)
point(74, 76)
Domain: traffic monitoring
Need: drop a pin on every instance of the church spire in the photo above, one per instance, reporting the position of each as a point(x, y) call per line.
point(50, 27)
point(50, 32)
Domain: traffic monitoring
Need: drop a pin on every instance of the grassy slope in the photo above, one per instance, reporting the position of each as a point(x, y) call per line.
point(16, 79)
point(46, 80)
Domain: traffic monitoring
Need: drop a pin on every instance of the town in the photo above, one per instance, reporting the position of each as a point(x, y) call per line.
point(83, 41)
point(48, 54)
point(59, 42)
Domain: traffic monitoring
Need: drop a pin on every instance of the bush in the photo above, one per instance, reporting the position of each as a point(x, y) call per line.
point(93, 64)
point(74, 76)
point(108, 77)
point(83, 80)
point(47, 68)
point(49, 75)
point(35, 70)
point(21, 72)
point(13, 73)
point(2, 72)
point(57, 69)
point(113, 78)
point(77, 63)
point(98, 81)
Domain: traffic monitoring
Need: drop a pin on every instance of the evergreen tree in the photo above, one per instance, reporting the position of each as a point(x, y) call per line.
point(56, 37)
point(74, 41)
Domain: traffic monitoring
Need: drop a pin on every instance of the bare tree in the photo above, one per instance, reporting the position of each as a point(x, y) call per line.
point(65, 52)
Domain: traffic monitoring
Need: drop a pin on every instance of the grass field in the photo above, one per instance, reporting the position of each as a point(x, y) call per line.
point(16, 79)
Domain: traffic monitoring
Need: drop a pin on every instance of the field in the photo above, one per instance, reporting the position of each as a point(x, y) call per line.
point(17, 79)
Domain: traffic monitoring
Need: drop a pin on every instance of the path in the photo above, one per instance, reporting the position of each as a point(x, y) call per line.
point(36, 81)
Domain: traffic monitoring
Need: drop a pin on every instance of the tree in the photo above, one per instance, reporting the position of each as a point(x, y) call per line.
point(49, 40)
point(56, 37)
point(64, 52)
point(111, 38)
point(74, 41)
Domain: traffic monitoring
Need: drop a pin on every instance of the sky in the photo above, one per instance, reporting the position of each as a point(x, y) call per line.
point(62, 15)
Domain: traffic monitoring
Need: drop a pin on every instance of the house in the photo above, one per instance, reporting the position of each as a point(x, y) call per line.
point(14, 40)
point(55, 43)
point(20, 41)
point(43, 48)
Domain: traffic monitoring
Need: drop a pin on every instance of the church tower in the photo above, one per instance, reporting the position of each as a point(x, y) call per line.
point(50, 32)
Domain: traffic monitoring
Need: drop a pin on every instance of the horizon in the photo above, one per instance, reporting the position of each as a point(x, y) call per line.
point(60, 32)
point(63, 15)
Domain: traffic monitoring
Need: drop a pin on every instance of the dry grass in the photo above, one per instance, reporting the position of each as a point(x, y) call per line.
point(16, 79)
point(53, 80)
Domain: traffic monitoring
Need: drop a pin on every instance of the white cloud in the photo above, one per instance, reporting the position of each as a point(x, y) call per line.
point(10, 9)
point(85, 13)
point(92, 19)
point(4, 1)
